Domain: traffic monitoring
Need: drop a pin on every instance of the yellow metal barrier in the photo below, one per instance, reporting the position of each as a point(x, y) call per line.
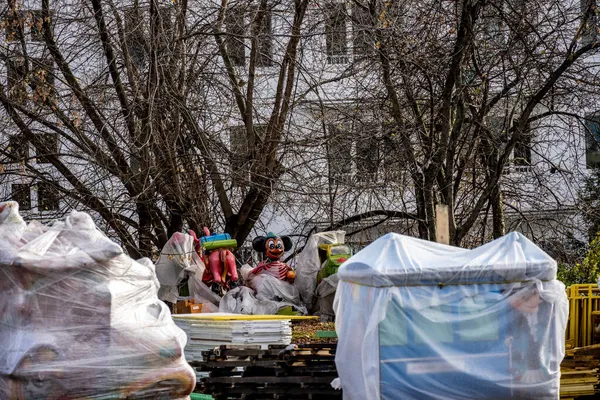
point(584, 314)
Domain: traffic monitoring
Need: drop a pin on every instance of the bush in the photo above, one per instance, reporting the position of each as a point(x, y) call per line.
point(584, 272)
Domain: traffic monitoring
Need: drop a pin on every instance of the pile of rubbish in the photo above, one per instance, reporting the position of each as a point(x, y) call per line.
point(80, 318)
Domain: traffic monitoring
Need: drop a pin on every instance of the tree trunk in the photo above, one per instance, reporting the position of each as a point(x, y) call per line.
point(145, 229)
point(498, 227)
point(175, 223)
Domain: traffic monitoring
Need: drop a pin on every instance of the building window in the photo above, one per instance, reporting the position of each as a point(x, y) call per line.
point(335, 34)
point(522, 151)
point(590, 30)
point(165, 30)
point(234, 42)
point(367, 152)
point(13, 25)
point(48, 145)
point(339, 152)
point(42, 78)
point(48, 197)
point(22, 195)
point(16, 72)
point(166, 21)
point(361, 29)
point(238, 142)
point(592, 140)
point(18, 148)
point(264, 38)
point(495, 27)
point(134, 36)
point(37, 24)
point(497, 127)
point(240, 170)
point(393, 159)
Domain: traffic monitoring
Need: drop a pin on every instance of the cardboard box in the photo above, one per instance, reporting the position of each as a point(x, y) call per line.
point(187, 307)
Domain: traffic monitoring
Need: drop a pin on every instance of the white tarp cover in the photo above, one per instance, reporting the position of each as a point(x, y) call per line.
point(81, 319)
point(420, 320)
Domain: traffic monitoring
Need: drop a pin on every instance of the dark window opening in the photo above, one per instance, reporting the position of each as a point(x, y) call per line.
point(48, 145)
point(234, 42)
point(394, 162)
point(42, 78)
point(264, 37)
point(362, 31)
point(590, 30)
point(13, 25)
point(37, 24)
point(166, 20)
point(498, 128)
point(21, 193)
point(592, 140)
point(522, 151)
point(335, 34)
point(239, 158)
point(495, 26)
point(18, 148)
point(238, 147)
point(16, 79)
point(48, 197)
point(134, 36)
point(166, 29)
point(339, 153)
point(367, 152)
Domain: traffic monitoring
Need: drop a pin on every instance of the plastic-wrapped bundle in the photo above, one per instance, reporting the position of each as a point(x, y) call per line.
point(265, 295)
point(179, 259)
point(80, 319)
point(308, 263)
point(420, 320)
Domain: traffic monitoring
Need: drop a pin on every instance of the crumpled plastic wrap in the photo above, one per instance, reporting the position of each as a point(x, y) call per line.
point(179, 259)
point(265, 295)
point(308, 264)
point(81, 319)
point(420, 320)
point(325, 296)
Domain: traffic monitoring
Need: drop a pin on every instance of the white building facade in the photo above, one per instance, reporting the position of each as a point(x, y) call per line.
point(339, 146)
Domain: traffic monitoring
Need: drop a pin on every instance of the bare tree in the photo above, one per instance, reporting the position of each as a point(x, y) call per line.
point(362, 115)
point(472, 99)
point(130, 96)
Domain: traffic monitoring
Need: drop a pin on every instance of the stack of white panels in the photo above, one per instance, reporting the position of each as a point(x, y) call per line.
point(206, 334)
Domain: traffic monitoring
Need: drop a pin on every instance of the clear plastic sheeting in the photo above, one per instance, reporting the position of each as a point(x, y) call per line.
point(81, 319)
point(325, 295)
point(179, 259)
point(265, 295)
point(308, 264)
point(419, 320)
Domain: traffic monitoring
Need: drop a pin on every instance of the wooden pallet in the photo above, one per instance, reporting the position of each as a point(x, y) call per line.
point(278, 372)
point(580, 374)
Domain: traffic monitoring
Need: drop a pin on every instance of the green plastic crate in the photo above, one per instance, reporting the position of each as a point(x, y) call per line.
point(200, 396)
point(326, 334)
